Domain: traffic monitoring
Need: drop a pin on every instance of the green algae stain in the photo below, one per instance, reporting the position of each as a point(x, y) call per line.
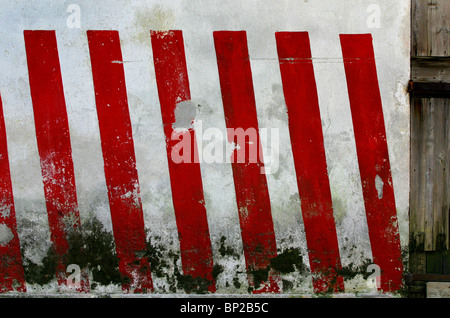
point(92, 248)
point(288, 261)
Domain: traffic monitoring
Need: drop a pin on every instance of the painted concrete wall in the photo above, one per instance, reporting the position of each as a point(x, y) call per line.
point(325, 21)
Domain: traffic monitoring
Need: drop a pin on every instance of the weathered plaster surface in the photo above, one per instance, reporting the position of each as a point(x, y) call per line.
point(324, 20)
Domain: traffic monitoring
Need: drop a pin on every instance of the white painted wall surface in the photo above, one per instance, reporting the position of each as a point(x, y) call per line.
point(324, 20)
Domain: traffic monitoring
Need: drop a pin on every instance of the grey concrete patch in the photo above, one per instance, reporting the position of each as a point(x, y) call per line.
point(185, 113)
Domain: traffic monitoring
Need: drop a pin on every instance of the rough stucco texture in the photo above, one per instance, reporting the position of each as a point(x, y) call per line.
point(284, 266)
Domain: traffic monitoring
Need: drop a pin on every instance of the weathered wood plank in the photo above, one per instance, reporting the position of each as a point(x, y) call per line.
point(417, 207)
point(439, 177)
point(414, 277)
point(429, 173)
point(446, 210)
point(429, 204)
point(430, 69)
point(430, 26)
point(447, 171)
point(438, 27)
point(419, 28)
point(429, 90)
point(446, 262)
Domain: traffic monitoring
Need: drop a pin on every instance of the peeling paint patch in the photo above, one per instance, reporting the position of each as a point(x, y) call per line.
point(379, 186)
point(185, 113)
point(5, 210)
point(6, 234)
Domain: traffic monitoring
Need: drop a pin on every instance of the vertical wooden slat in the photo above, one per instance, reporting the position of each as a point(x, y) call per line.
point(447, 171)
point(434, 262)
point(439, 157)
point(422, 169)
point(419, 21)
point(430, 26)
point(432, 14)
point(446, 262)
point(429, 174)
point(417, 215)
point(438, 28)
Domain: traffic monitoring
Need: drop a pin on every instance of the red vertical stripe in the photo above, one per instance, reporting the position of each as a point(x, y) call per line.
point(305, 128)
point(11, 270)
point(373, 157)
point(53, 140)
point(250, 182)
point(119, 159)
point(185, 177)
